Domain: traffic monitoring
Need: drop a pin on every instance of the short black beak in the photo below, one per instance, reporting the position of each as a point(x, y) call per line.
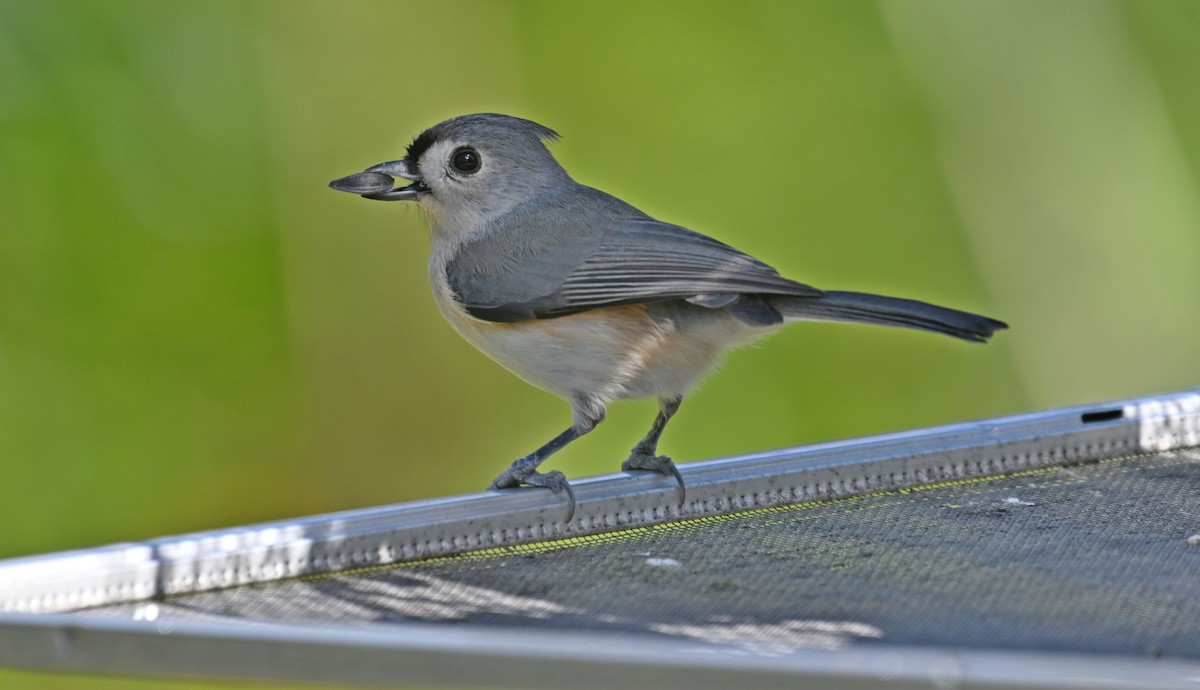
point(376, 182)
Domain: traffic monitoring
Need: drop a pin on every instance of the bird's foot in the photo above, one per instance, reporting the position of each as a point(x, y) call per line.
point(554, 480)
point(640, 460)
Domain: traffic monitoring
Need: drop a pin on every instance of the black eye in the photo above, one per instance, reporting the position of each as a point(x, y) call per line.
point(466, 160)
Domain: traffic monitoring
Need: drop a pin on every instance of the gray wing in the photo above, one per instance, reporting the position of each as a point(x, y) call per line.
point(649, 261)
point(553, 271)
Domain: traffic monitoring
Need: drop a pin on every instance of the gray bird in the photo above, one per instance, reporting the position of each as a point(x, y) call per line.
point(585, 296)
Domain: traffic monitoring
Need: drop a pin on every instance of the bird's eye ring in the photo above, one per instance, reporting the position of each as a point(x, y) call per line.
point(466, 160)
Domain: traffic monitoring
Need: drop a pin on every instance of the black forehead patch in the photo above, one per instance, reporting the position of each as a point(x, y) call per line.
point(420, 145)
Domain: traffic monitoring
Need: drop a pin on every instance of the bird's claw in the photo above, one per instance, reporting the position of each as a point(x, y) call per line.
point(554, 480)
point(657, 463)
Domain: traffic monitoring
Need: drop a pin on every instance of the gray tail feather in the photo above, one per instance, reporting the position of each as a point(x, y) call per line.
point(860, 307)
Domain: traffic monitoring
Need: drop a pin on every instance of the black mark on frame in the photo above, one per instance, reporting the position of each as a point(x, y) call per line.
point(1102, 416)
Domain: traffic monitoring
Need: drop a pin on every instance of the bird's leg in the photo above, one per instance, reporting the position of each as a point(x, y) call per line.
point(588, 412)
point(643, 456)
point(524, 470)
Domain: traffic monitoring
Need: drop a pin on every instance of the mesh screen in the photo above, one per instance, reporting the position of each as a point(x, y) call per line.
point(1090, 558)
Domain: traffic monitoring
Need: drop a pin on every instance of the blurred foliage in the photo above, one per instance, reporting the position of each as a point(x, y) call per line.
point(195, 332)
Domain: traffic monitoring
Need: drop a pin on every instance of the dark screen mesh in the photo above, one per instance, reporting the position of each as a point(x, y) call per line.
point(1089, 558)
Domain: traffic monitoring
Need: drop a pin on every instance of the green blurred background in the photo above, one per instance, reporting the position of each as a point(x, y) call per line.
point(195, 332)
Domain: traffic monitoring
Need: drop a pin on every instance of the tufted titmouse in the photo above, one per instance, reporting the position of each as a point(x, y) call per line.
point(585, 296)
